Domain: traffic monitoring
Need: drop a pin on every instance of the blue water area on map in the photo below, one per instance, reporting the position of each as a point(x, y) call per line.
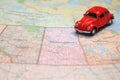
point(30, 22)
point(77, 3)
point(116, 23)
point(106, 1)
point(89, 48)
point(73, 3)
point(48, 19)
point(104, 50)
point(88, 3)
point(32, 1)
point(47, 5)
point(19, 8)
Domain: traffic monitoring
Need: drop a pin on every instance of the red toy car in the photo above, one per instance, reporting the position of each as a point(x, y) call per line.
point(95, 18)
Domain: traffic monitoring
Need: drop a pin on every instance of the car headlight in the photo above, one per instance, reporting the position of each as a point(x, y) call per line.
point(76, 25)
point(88, 28)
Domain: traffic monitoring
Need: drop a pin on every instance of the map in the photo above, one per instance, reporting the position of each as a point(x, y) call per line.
point(38, 41)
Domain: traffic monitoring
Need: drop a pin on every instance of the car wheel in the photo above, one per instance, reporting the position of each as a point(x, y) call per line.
point(110, 22)
point(77, 31)
point(93, 31)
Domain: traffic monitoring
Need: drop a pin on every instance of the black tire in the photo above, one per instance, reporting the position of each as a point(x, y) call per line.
point(77, 32)
point(110, 22)
point(94, 31)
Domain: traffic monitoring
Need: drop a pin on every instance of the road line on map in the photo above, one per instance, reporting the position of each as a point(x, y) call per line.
point(41, 45)
point(3, 30)
point(38, 26)
point(25, 25)
point(83, 51)
point(60, 65)
point(118, 48)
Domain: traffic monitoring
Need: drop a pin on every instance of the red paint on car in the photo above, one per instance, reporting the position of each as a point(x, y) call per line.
point(94, 18)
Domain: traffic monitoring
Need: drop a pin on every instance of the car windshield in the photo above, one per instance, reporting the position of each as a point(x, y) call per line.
point(91, 14)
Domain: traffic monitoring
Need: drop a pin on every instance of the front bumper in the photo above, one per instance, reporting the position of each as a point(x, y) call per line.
point(81, 31)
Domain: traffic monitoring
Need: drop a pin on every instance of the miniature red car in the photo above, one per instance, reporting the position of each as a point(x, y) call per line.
point(95, 18)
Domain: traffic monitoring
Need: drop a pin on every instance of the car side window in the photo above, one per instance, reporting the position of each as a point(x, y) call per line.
point(102, 15)
point(106, 12)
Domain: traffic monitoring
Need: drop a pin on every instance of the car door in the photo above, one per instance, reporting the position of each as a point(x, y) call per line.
point(106, 15)
point(101, 21)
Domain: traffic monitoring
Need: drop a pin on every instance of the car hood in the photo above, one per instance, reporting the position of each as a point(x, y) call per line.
point(86, 21)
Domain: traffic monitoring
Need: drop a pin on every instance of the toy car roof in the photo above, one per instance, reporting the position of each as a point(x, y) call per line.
point(97, 9)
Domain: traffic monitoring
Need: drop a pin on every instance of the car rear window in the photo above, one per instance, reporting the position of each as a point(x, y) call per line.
point(106, 12)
